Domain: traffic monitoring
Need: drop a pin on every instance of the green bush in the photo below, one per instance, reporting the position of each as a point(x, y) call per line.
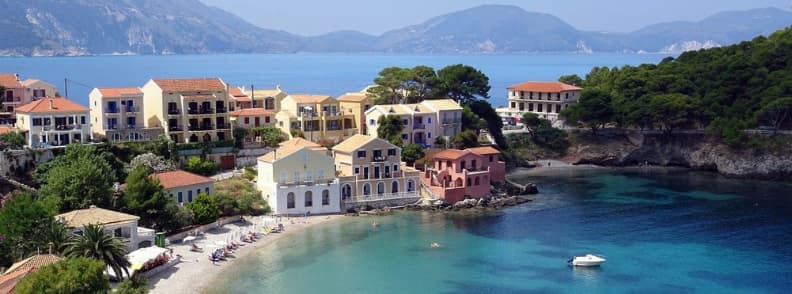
point(72, 275)
point(204, 208)
point(199, 166)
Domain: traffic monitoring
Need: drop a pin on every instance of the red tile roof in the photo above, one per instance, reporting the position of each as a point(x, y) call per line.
point(353, 97)
point(190, 85)
point(252, 112)
point(484, 150)
point(9, 281)
point(450, 154)
point(34, 262)
point(548, 87)
point(239, 96)
point(117, 92)
point(179, 178)
point(4, 130)
point(58, 105)
point(9, 80)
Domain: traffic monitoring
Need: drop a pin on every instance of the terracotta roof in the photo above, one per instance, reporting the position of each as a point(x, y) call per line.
point(301, 98)
point(4, 130)
point(190, 85)
point(58, 105)
point(9, 80)
point(550, 87)
point(484, 150)
point(353, 143)
point(9, 281)
point(353, 97)
point(269, 93)
point(252, 112)
point(179, 178)
point(118, 92)
point(450, 154)
point(34, 262)
point(442, 104)
point(94, 215)
point(299, 142)
point(236, 91)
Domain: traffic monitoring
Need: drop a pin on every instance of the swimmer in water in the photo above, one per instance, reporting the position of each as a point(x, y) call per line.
point(434, 245)
point(375, 224)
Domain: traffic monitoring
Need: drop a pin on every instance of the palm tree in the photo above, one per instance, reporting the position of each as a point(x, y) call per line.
point(95, 243)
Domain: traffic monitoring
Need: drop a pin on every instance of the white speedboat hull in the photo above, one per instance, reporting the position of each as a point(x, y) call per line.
point(587, 260)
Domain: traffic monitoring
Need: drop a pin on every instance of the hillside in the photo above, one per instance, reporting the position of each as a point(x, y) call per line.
point(81, 27)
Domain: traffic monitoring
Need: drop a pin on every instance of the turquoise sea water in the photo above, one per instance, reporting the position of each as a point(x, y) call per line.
point(331, 74)
point(661, 231)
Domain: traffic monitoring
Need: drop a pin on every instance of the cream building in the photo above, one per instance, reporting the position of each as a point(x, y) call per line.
point(318, 117)
point(189, 110)
point(546, 99)
point(269, 99)
point(117, 114)
point(53, 122)
point(17, 93)
point(120, 225)
point(370, 169)
point(296, 179)
point(252, 117)
point(356, 104)
point(423, 122)
point(184, 186)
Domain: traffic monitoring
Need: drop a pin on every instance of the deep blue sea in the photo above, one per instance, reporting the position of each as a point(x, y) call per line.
point(662, 231)
point(331, 74)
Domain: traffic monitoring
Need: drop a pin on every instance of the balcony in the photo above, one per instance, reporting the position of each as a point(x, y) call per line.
point(192, 111)
point(379, 158)
point(173, 111)
point(222, 126)
point(449, 121)
point(222, 110)
point(207, 110)
point(175, 128)
point(112, 111)
point(419, 126)
point(12, 100)
point(131, 109)
point(201, 128)
point(333, 113)
point(61, 127)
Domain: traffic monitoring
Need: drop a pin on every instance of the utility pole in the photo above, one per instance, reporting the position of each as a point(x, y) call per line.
point(66, 87)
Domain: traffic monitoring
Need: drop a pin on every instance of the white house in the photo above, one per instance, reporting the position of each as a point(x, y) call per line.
point(184, 186)
point(120, 225)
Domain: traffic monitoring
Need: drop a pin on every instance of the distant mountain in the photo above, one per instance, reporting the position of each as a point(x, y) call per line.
point(61, 27)
point(78, 27)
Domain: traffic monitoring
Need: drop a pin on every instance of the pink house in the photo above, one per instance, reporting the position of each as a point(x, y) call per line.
point(456, 174)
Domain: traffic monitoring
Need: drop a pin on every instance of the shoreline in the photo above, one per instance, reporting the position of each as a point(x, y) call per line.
point(558, 166)
point(195, 271)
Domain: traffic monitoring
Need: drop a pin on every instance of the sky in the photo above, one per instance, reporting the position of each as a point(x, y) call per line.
point(315, 17)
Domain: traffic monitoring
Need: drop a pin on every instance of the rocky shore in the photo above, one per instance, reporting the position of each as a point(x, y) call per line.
point(695, 151)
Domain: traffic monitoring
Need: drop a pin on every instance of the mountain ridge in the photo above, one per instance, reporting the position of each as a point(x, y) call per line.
point(82, 27)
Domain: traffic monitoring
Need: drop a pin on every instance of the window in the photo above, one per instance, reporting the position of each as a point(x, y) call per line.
point(429, 120)
point(410, 186)
point(308, 198)
point(367, 189)
point(467, 182)
point(181, 200)
point(395, 187)
point(376, 172)
point(320, 174)
point(197, 192)
point(247, 120)
point(395, 167)
point(380, 188)
point(558, 108)
point(36, 121)
point(283, 177)
point(308, 176)
point(189, 196)
point(325, 197)
point(357, 170)
point(405, 122)
point(346, 191)
point(361, 154)
point(405, 137)
point(476, 181)
point(290, 200)
point(392, 152)
point(266, 119)
point(206, 190)
point(296, 176)
point(372, 122)
point(539, 107)
point(429, 135)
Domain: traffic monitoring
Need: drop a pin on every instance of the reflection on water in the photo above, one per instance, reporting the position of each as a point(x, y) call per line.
point(588, 275)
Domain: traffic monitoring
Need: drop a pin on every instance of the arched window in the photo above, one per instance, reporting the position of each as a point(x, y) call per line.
point(346, 191)
point(290, 200)
point(395, 187)
point(458, 182)
point(380, 188)
point(308, 198)
point(367, 189)
point(325, 197)
point(207, 138)
point(410, 186)
point(476, 181)
point(193, 138)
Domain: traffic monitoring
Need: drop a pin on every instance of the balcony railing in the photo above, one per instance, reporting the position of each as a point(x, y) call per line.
point(131, 109)
point(207, 110)
point(419, 126)
point(379, 158)
point(384, 196)
point(145, 233)
point(222, 110)
point(175, 128)
point(192, 111)
point(12, 100)
point(333, 113)
point(61, 127)
point(306, 182)
point(201, 128)
point(113, 110)
point(449, 121)
point(223, 126)
point(172, 111)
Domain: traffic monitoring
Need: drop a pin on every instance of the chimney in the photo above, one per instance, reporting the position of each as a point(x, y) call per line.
point(277, 87)
point(50, 103)
point(17, 77)
point(275, 156)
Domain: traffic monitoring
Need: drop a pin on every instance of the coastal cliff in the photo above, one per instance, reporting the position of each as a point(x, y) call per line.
point(695, 151)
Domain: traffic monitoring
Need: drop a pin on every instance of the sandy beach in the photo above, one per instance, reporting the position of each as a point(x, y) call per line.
point(196, 271)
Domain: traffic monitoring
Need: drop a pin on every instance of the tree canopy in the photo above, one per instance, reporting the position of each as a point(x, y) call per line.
point(27, 226)
point(15, 140)
point(411, 153)
point(390, 128)
point(464, 83)
point(144, 197)
point(205, 208)
point(72, 275)
point(97, 244)
point(77, 179)
point(594, 109)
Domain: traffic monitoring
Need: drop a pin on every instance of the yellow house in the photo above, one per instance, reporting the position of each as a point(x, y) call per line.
point(356, 104)
point(317, 117)
point(296, 180)
point(117, 114)
point(269, 99)
point(53, 122)
point(370, 169)
point(189, 110)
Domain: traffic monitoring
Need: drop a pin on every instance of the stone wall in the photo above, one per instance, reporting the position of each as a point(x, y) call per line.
point(249, 156)
point(11, 161)
point(378, 204)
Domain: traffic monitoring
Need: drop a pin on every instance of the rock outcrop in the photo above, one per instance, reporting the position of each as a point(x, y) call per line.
point(695, 151)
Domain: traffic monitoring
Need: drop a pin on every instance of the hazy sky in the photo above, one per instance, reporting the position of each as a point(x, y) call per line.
point(313, 17)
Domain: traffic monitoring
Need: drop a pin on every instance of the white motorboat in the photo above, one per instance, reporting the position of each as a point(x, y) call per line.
point(587, 260)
